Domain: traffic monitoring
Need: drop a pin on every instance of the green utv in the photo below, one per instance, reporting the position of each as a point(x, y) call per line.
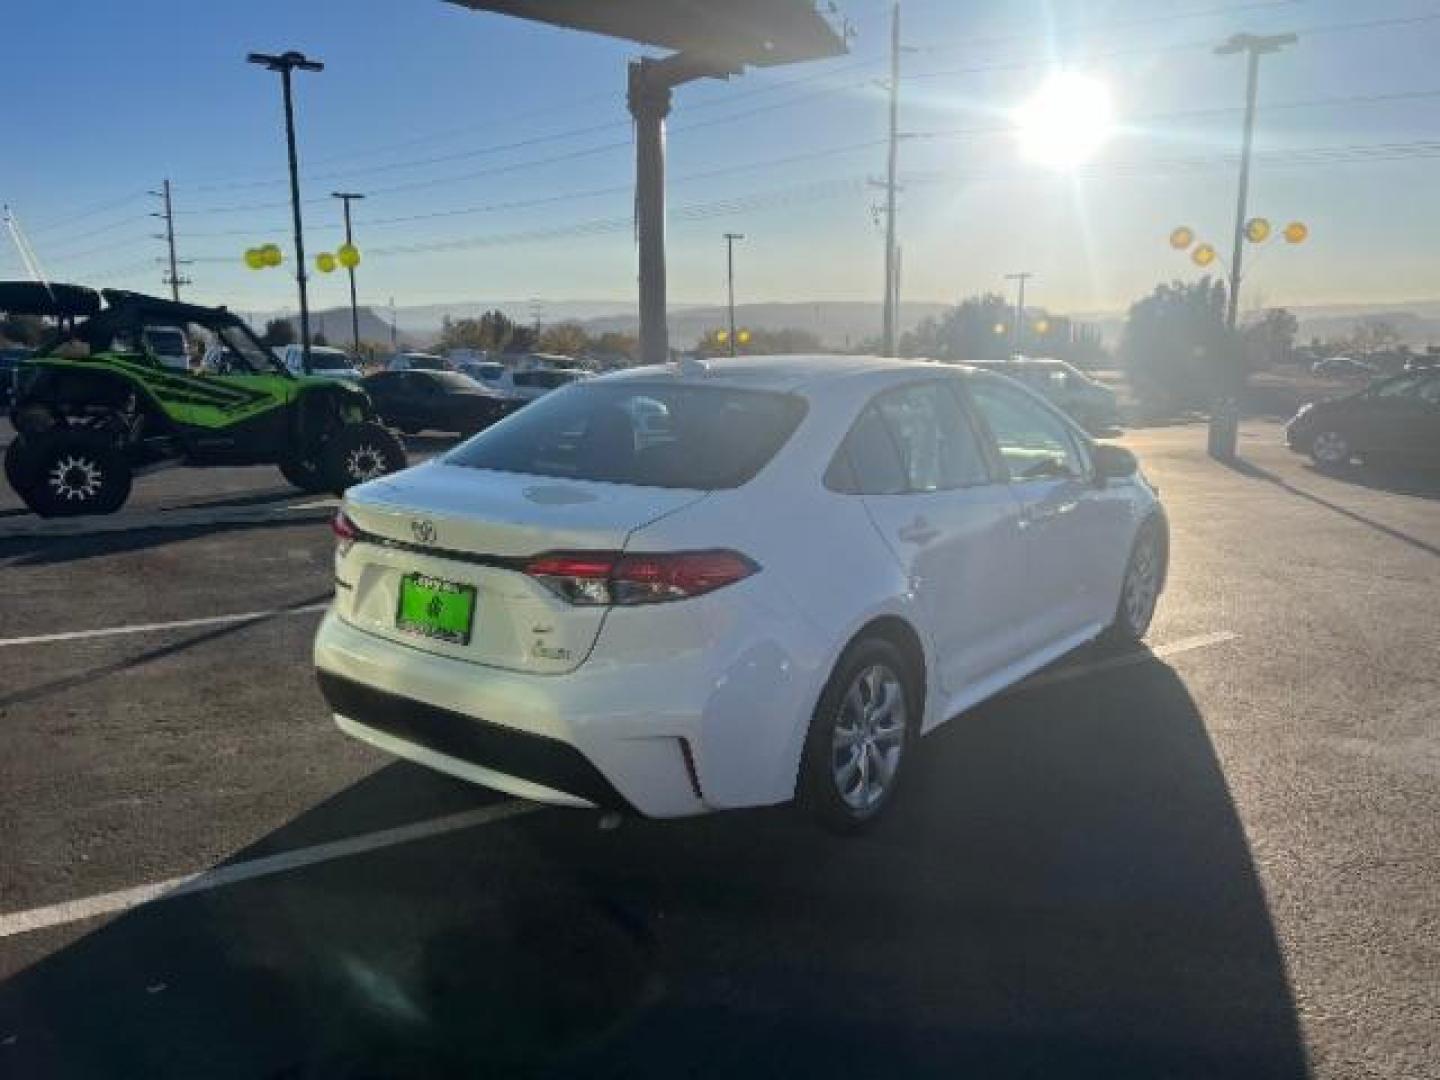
point(95, 407)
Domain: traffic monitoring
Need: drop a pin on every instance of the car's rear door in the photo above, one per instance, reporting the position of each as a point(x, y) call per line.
point(927, 483)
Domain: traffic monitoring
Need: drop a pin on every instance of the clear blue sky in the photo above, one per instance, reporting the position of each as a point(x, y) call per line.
point(106, 98)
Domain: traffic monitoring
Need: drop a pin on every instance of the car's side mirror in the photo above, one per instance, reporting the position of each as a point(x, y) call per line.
point(1114, 462)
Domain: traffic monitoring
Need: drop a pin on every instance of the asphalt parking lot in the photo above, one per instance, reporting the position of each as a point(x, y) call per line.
point(1215, 858)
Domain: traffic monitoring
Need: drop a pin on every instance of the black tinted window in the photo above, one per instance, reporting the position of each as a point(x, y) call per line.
point(654, 435)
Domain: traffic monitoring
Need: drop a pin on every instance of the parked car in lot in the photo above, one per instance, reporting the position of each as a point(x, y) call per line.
point(537, 382)
point(1342, 367)
point(489, 373)
point(326, 362)
point(1392, 421)
point(10, 359)
point(417, 361)
point(686, 588)
point(168, 345)
point(1091, 405)
point(415, 401)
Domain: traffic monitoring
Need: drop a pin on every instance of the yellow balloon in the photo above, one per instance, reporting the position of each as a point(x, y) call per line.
point(254, 258)
point(1257, 230)
point(1182, 238)
point(271, 254)
point(722, 336)
point(1296, 232)
point(1042, 327)
point(743, 337)
point(1203, 255)
point(325, 262)
point(348, 255)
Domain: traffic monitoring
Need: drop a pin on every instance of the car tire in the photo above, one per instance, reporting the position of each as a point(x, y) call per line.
point(308, 476)
point(861, 734)
point(19, 468)
point(1139, 589)
point(71, 473)
point(1330, 449)
point(360, 452)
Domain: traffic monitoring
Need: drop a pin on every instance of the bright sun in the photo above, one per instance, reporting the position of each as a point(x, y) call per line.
point(1066, 122)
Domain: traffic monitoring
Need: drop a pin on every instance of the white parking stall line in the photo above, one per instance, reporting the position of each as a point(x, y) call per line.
point(150, 628)
point(89, 907)
point(1139, 656)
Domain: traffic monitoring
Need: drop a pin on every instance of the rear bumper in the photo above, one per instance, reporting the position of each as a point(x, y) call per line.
point(561, 739)
point(546, 769)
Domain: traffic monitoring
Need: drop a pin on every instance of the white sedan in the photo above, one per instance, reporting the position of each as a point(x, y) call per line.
point(693, 587)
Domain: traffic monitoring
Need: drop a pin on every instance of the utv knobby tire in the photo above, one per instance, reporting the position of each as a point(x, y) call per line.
point(19, 465)
point(308, 476)
point(360, 452)
point(75, 473)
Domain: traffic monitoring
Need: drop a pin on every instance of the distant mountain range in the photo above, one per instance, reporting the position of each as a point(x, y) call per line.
point(838, 323)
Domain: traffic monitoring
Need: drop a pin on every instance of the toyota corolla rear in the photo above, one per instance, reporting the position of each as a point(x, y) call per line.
point(529, 612)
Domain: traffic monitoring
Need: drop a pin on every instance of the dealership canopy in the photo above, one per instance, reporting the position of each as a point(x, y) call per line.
point(713, 39)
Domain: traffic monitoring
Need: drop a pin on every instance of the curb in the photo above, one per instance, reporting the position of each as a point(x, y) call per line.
point(200, 517)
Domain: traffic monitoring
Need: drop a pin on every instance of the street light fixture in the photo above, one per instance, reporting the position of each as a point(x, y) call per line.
point(285, 63)
point(1225, 419)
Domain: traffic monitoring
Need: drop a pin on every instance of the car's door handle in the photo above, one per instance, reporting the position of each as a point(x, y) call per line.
point(918, 531)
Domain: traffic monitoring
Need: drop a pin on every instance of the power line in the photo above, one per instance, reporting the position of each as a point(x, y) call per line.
point(1185, 46)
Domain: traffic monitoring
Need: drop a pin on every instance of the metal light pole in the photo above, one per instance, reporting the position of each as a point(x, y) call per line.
point(892, 270)
point(1022, 277)
point(345, 197)
point(1225, 416)
point(285, 63)
point(730, 238)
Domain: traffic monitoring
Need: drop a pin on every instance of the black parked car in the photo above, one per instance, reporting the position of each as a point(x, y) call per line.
point(1394, 421)
point(415, 401)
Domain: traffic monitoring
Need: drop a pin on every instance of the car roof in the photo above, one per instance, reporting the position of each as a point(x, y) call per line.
point(785, 373)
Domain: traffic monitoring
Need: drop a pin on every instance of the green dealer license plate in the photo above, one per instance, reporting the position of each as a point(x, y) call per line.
point(438, 609)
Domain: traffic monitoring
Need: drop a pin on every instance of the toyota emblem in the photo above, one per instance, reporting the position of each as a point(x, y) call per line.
point(423, 531)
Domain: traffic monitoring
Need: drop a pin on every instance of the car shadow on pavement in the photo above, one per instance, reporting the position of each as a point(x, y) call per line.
point(56, 550)
point(1255, 472)
point(1063, 890)
point(40, 691)
point(1419, 483)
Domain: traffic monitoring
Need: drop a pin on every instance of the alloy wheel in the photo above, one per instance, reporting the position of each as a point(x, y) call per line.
point(1330, 448)
point(75, 478)
point(365, 462)
point(869, 737)
point(1142, 585)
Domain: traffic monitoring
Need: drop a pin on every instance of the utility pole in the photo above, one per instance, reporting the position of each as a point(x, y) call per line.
point(891, 296)
point(1225, 416)
point(285, 64)
point(346, 197)
point(730, 238)
point(1018, 338)
point(174, 280)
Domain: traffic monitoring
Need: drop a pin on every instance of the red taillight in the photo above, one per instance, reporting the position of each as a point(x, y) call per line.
point(345, 532)
point(600, 578)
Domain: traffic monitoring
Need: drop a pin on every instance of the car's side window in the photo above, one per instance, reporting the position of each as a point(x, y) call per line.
point(913, 439)
point(1034, 443)
point(938, 448)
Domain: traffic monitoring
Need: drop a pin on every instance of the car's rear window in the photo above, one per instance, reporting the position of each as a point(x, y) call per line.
point(653, 435)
